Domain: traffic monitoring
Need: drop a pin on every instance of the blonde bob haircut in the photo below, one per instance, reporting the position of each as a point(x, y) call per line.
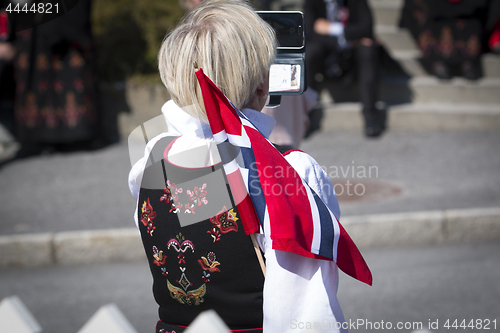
point(229, 41)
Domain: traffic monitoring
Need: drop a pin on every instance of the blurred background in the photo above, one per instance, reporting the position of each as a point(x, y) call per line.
point(422, 198)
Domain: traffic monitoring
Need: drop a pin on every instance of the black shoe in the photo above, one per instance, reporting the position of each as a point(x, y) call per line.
point(470, 71)
point(441, 71)
point(315, 117)
point(376, 125)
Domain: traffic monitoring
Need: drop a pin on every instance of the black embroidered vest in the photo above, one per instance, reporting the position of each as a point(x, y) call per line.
point(198, 252)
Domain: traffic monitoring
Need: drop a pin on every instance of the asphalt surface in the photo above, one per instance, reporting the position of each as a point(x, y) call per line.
point(400, 172)
point(412, 285)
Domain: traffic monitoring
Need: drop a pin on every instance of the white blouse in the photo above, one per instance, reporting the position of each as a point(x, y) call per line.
point(300, 294)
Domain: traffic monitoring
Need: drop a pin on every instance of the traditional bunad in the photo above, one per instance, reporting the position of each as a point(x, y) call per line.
point(199, 254)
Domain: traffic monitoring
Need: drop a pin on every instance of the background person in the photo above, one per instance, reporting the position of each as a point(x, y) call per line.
point(292, 118)
point(7, 86)
point(332, 26)
point(452, 34)
point(56, 104)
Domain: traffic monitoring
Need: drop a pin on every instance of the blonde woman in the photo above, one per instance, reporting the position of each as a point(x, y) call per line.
point(199, 254)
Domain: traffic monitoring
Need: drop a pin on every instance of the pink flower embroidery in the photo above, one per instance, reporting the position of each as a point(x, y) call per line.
point(171, 195)
point(198, 196)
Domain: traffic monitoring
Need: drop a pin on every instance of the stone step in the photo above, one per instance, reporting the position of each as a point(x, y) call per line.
point(402, 48)
point(424, 89)
point(409, 61)
point(398, 3)
point(423, 117)
point(386, 12)
point(429, 89)
point(420, 100)
point(395, 39)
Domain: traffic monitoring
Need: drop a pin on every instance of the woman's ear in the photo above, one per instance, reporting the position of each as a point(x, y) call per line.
point(260, 95)
point(262, 89)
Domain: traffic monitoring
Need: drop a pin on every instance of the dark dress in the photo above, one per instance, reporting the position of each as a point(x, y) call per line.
point(447, 30)
point(57, 97)
point(198, 252)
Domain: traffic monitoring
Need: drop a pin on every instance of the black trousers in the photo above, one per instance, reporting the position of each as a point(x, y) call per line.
point(366, 60)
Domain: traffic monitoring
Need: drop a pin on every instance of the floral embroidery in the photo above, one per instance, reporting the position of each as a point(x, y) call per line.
point(147, 217)
point(223, 222)
point(159, 258)
point(76, 60)
point(57, 64)
point(197, 197)
point(72, 110)
point(205, 277)
point(50, 117)
point(79, 86)
point(191, 297)
point(23, 61)
point(30, 111)
point(178, 246)
point(171, 195)
point(43, 85)
point(41, 62)
point(209, 263)
point(446, 42)
point(58, 86)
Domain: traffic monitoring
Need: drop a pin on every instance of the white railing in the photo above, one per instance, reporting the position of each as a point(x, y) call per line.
point(16, 318)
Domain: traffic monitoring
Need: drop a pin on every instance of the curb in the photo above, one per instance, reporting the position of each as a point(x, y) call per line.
point(424, 228)
point(71, 248)
point(416, 117)
point(124, 245)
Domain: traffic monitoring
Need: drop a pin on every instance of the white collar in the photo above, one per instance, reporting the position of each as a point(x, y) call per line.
point(179, 122)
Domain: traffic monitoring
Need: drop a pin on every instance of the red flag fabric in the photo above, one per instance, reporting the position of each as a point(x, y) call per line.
point(267, 186)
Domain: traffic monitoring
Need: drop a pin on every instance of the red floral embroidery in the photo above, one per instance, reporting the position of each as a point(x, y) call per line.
point(23, 61)
point(224, 221)
point(79, 86)
point(181, 258)
point(71, 110)
point(30, 112)
point(198, 196)
point(209, 263)
point(43, 85)
point(50, 117)
point(41, 62)
point(159, 258)
point(57, 64)
point(58, 86)
point(171, 195)
point(76, 60)
point(147, 216)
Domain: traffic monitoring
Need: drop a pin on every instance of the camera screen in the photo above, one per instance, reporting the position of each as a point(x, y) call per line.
point(289, 27)
point(284, 78)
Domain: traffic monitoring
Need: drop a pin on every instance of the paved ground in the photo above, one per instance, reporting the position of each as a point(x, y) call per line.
point(433, 170)
point(411, 285)
point(401, 172)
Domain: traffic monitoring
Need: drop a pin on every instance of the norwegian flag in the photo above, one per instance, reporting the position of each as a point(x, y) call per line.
point(300, 222)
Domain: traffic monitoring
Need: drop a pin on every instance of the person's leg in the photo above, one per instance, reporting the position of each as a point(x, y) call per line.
point(368, 80)
point(316, 52)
